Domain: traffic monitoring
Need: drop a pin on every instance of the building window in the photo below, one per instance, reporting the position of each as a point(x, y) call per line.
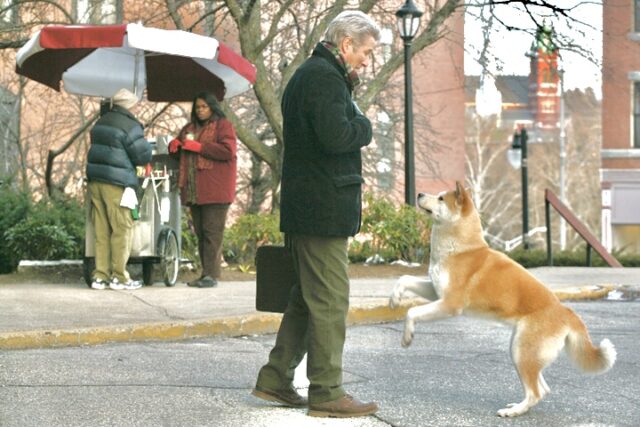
point(99, 11)
point(636, 14)
point(548, 106)
point(636, 115)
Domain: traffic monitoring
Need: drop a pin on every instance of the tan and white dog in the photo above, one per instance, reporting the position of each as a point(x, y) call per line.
point(467, 277)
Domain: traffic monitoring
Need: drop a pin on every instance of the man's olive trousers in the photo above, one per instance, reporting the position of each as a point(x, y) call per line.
point(314, 321)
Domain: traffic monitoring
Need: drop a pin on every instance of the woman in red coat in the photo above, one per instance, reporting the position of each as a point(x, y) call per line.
point(206, 148)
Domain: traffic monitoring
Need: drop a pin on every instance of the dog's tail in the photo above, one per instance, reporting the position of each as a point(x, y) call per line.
point(585, 355)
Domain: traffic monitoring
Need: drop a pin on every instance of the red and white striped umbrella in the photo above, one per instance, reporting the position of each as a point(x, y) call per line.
point(171, 65)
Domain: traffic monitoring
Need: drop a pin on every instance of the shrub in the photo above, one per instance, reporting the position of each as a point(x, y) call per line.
point(249, 232)
point(188, 241)
point(51, 230)
point(391, 232)
point(70, 215)
point(628, 260)
point(14, 206)
point(388, 231)
point(53, 242)
point(574, 258)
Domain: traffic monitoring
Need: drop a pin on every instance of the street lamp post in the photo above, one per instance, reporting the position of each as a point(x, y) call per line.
point(518, 158)
point(563, 160)
point(408, 22)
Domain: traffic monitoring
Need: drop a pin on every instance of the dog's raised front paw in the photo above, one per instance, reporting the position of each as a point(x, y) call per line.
point(407, 336)
point(394, 299)
point(396, 295)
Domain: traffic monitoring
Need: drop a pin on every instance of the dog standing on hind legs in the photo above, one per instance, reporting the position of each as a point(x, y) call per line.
point(467, 277)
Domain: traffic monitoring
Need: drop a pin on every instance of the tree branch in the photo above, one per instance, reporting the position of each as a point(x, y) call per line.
point(55, 153)
point(429, 36)
point(13, 44)
point(265, 153)
point(49, 2)
point(273, 29)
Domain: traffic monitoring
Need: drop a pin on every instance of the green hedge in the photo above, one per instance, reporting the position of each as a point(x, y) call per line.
point(58, 227)
point(55, 229)
point(188, 241)
point(389, 231)
point(14, 206)
point(574, 258)
point(247, 233)
point(48, 230)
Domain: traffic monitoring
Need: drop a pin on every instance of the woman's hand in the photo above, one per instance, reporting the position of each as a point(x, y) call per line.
point(174, 145)
point(191, 145)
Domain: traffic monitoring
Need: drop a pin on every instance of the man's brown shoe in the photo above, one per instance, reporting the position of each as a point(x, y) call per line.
point(287, 397)
point(344, 407)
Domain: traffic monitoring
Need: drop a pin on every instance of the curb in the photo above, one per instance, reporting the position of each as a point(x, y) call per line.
point(584, 293)
point(251, 324)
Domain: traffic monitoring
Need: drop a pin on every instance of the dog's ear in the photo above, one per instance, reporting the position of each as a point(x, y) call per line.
point(460, 192)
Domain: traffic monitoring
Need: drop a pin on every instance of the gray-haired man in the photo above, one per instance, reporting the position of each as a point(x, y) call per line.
point(324, 132)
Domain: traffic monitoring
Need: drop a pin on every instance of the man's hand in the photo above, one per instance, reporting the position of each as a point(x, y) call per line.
point(191, 145)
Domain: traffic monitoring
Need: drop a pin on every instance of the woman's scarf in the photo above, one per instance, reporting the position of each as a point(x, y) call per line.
point(192, 162)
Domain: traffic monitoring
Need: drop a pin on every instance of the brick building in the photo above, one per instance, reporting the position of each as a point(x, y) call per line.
point(620, 154)
point(438, 78)
point(532, 100)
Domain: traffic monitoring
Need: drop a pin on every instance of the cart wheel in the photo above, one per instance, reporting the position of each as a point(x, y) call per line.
point(88, 265)
point(169, 256)
point(147, 272)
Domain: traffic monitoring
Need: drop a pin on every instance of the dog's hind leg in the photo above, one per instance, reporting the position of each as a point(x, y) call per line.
point(529, 370)
point(532, 351)
point(420, 286)
point(542, 385)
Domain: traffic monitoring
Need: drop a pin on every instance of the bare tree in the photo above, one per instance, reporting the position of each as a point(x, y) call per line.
point(582, 184)
point(277, 36)
point(487, 171)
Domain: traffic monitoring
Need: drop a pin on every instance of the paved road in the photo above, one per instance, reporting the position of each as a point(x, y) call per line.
point(456, 373)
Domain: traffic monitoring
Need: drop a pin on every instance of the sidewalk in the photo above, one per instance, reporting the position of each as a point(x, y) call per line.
point(54, 315)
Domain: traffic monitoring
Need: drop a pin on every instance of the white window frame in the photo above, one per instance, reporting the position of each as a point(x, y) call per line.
point(7, 15)
point(635, 121)
point(108, 10)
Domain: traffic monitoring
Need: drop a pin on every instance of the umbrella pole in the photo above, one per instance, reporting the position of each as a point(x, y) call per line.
point(135, 72)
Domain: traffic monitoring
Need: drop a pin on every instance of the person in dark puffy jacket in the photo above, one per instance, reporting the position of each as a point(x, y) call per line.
point(117, 147)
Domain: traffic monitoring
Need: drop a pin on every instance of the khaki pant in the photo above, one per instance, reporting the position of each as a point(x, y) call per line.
point(113, 226)
point(314, 321)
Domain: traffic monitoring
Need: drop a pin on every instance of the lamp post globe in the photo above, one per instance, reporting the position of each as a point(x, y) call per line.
point(408, 23)
point(408, 20)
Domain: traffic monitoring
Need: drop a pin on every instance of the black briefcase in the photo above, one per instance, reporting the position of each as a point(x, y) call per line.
point(275, 276)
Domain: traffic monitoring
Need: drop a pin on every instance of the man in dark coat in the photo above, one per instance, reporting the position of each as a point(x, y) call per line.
point(117, 147)
point(324, 132)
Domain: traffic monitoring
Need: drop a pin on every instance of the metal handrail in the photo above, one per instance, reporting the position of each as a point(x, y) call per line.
point(551, 199)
